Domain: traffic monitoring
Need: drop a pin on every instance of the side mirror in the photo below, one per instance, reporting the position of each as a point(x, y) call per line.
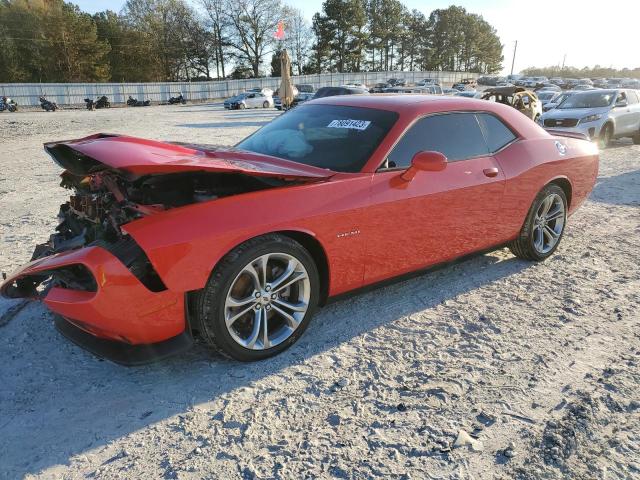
point(425, 161)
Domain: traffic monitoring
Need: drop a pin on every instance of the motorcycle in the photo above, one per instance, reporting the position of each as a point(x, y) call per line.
point(178, 99)
point(8, 104)
point(103, 102)
point(133, 102)
point(90, 103)
point(47, 105)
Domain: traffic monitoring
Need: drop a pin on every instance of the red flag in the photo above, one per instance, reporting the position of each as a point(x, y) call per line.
point(280, 32)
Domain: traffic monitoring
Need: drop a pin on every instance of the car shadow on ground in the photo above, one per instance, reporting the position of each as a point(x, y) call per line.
point(623, 189)
point(58, 401)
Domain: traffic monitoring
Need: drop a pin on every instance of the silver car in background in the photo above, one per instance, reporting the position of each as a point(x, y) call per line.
point(599, 114)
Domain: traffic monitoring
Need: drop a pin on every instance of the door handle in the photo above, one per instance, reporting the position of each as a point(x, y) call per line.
point(490, 172)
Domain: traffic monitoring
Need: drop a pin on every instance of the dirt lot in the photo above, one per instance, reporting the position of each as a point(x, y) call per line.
point(539, 363)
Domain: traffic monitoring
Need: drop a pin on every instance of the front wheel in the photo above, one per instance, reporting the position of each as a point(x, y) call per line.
point(242, 106)
point(604, 139)
point(265, 104)
point(259, 299)
point(544, 226)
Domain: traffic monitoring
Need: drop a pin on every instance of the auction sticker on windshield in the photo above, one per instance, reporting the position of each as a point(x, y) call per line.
point(354, 124)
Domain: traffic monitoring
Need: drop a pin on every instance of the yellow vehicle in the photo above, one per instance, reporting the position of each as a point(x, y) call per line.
point(525, 101)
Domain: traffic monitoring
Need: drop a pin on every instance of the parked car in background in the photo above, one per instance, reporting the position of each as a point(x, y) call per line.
point(631, 83)
point(378, 88)
point(449, 91)
point(557, 100)
point(546, 96)
point(306, 88)
point(427, 81)
point(504, 84)
point(585, 81)
point(535, 82)
point(267, 92)
point(333, 91)
point(599, 114)
point(396, 82)
point(249, 100)
point(525, 101)
point(549, 86)
point(465, 84)
point(297, 100)
point(570, 83)
point(600, 82)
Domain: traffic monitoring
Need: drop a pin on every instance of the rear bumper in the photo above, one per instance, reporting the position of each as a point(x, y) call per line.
point(120, 309)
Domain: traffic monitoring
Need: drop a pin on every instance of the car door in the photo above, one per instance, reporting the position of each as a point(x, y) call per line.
point(436, 216)
point(622, 114)
point(250, 100)
point(633, 100)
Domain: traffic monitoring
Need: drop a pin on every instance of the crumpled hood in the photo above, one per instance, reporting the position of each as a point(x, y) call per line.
point(138, 156)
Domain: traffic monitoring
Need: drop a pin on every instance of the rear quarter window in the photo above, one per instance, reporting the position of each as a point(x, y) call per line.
point(498, 135)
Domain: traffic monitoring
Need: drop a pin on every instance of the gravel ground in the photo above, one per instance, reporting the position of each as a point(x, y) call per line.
point(494, 368)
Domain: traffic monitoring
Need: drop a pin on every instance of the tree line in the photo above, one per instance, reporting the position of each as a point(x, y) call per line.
point(173, 40)
point(586, 72)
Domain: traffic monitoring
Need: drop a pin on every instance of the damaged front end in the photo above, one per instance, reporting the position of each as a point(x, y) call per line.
point(91, 272)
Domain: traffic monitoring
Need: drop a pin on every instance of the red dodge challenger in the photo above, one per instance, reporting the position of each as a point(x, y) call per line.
point(160, 241)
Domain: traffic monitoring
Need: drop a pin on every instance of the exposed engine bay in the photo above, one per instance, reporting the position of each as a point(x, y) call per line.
point(101, 203)
point(104, 201)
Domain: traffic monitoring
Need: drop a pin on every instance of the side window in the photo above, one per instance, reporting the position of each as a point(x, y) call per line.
point(457, 135)
point(497, 133)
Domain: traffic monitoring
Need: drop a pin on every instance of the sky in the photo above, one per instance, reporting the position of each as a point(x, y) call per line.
point(588, 33)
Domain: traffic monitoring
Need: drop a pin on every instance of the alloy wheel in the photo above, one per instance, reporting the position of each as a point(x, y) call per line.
point(267, 301)
point(548, 223)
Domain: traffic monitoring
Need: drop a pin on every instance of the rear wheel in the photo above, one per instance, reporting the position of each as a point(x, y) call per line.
point(259, 299)
point(265, 104)
point(604, 139)
point(543, 227)
point(242, 106)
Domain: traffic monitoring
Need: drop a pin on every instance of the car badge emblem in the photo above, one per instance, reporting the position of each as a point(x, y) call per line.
point(562, 148)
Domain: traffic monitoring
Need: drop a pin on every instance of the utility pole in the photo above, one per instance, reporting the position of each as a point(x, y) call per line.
point(514, 56)
point(564, 59)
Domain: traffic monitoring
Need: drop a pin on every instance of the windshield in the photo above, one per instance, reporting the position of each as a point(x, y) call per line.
point(328, 136)
point(588, 100)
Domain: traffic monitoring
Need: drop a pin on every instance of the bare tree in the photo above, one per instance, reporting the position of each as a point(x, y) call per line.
point(219, 24)
point(253, 24)
point(298, 37)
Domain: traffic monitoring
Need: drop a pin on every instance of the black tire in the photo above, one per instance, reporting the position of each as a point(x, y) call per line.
point(523, 246)
point(265, 104)
point(241, 106)
point(210, 301)
point(604, 139)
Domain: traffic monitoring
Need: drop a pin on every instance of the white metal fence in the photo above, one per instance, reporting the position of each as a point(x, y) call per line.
point(75, 93)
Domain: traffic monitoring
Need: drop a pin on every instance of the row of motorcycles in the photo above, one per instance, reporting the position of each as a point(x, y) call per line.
point(8, 104)
point(102, 102)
